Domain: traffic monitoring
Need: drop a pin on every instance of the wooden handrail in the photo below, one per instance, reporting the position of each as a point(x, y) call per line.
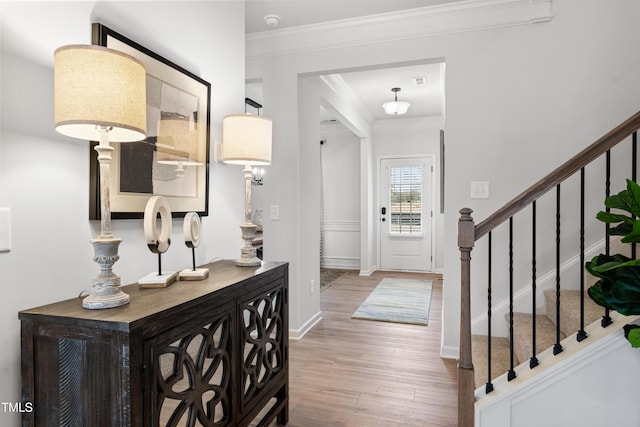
point(563, 172)
point(468, 233)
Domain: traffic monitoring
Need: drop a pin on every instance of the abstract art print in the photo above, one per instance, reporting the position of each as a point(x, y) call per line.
point(173, 161)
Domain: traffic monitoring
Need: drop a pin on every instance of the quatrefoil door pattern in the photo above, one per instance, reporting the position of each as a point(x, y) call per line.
point(264, 348)
point(192, 378)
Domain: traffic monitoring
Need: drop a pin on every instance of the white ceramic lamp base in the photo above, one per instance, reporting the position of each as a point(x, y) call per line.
point(191, 274)
point(105, 288)
point(155, 280)
point(248, 256)
point(158, 243)
point(191, 231)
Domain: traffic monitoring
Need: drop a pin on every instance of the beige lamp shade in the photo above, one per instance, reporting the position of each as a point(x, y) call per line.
point(177, 142)
point(97, 86)
point(246, 139)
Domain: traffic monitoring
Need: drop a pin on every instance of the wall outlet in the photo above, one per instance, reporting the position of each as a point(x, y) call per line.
point(274, 213)
point(312, 287)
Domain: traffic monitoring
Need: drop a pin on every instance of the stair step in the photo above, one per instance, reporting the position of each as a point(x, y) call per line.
point(522, 331)
point(499, 357)
point(570, 310)
point(523, 334)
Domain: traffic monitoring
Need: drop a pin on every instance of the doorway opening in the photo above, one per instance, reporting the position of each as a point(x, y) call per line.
point(355, 99)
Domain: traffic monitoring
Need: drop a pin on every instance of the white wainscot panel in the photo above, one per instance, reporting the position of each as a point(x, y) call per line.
point(341, 244)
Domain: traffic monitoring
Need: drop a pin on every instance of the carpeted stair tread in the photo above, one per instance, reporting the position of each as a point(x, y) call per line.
point(570, 310)
point(499, 357)
point(523, 334)
point(545, 332)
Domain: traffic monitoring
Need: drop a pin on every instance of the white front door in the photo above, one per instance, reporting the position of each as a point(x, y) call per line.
point(405, 214)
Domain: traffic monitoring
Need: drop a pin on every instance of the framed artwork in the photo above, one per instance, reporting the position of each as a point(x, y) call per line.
point(173, 161)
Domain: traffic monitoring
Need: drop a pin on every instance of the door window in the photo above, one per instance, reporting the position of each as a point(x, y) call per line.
point(405, 200)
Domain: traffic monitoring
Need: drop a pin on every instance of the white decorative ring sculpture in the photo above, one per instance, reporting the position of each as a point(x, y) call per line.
point(191, 230)
point(157, 205)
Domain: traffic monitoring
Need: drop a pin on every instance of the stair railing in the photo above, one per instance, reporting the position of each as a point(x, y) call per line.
point(469, 233)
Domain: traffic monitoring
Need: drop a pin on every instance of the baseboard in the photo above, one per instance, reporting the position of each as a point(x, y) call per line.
point(369, 271)
point(343, 263)
point(448, 352)
point(296, 334)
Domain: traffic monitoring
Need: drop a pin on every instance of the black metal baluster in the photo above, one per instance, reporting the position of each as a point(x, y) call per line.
point(511, 374)
point(582, 334)
point(557, 348)
point(489, 385)
point(534, 360)
point(606, 319)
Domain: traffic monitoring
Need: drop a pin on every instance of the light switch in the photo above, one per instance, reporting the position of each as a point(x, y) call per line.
point(5, 229)
point(480, 190)
point(275, 213)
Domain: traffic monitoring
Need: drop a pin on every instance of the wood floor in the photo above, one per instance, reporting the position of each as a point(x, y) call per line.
point(360, 373)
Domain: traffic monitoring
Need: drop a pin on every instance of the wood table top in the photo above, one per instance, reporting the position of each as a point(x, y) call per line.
point(147, 302)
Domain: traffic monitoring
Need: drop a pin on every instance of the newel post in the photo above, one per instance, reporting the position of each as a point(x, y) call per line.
point(466, 381)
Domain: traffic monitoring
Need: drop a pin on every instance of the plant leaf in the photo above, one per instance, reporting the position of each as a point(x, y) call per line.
point(633, 191)
point(613, 218)
point(619, 284)
point(621, 229)
point(632, 333)
point(634, 235)
point(627, 200)
point(623, 291)
point(595, 293)
point(617, 202)
point(602, 263)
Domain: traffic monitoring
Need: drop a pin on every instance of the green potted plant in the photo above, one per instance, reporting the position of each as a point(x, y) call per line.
point(618, 287)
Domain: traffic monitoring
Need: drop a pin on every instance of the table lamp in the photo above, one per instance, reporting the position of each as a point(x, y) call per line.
point(177, 144)
point(100, 94)
point(246, 140)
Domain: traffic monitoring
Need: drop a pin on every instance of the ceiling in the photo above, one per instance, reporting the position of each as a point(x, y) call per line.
point(372, 87)
point(294, 13)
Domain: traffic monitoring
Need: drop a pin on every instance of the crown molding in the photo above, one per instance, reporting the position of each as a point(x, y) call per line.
point(469, 15)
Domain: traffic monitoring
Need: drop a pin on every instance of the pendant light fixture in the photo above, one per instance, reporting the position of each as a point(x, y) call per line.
point(395, 107)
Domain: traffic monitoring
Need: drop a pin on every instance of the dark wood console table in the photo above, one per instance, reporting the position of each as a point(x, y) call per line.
point(210, 353)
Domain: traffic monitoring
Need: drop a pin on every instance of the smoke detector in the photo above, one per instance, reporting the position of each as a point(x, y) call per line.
point(272, 21)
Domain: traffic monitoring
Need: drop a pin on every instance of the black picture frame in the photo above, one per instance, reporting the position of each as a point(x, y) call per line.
point(154, 166)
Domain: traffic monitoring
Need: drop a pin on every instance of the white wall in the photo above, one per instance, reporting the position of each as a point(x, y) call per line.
point(521, 99)
point(44, 175)
point(594, 385)
point(340, 197)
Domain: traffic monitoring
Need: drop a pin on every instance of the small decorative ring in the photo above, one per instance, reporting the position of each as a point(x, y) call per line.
point(191, 230)
point(157, 205)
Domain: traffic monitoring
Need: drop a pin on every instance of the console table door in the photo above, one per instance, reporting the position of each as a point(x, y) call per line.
point(190, 372)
